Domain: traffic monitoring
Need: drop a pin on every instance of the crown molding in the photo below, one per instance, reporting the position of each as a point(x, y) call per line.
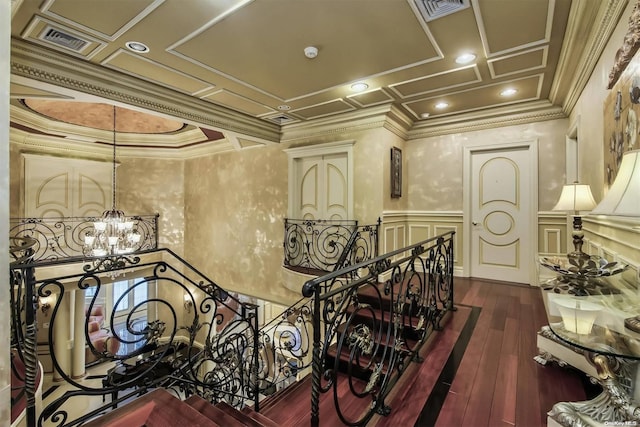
point(86, 148)
point(37, 63)
point(585, 39)
point(384, 116)
point(532, 112)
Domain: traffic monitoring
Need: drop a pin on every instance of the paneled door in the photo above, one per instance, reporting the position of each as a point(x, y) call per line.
point(502, 208)
point(321, 188)
point(58, 187)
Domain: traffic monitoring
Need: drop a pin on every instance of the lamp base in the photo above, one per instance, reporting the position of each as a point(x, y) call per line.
point(632, 323)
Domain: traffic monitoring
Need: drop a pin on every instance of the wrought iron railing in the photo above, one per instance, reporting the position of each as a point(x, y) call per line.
point(58, 238)
point(321, 245)
point(367, 329)
point(192, 336)
point(188, 335)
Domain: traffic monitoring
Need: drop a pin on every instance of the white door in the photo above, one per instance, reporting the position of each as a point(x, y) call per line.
point(58, 187)
point(321, 188)
point(501, 211)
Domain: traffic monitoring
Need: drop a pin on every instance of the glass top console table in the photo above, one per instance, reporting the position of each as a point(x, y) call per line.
point(591, 308)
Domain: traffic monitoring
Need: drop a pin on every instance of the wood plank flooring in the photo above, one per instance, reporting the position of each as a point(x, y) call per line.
point(497, 382)
point(478, 372)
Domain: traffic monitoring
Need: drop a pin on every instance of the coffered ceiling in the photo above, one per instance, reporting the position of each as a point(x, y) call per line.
point(246, 58)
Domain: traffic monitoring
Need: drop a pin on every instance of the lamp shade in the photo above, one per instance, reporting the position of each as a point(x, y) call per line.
point(623, 197)
point(575, 197)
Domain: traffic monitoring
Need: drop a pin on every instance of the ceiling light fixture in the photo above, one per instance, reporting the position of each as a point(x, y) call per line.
point(114, 233)
point(310, 52)
point(441, 105)
point(137, 47)
point(359, 86)
point(424, 115)
point(509, 92)
point(465, 58)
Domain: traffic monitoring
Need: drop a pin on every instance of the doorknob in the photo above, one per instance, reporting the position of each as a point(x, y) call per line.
point(474, 223)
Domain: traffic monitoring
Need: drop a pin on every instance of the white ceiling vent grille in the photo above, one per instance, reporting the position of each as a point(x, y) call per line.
point(65, 40)
point(281, 119)
point(434, 9)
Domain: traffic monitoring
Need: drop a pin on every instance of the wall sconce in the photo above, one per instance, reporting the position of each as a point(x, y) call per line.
point(188, 303)
point(44, 305)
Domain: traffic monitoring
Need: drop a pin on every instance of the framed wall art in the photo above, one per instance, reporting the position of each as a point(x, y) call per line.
point(396, 172)
point(622, 105)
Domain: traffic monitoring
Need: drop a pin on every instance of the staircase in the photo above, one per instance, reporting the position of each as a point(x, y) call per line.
point(159, 408)
point(356, 334)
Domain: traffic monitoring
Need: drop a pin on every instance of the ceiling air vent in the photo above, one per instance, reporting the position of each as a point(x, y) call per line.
point(434, 9)
point(281, 119)
point(63, 39)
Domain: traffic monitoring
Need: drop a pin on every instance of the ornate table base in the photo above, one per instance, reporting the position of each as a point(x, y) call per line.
point(614, 406)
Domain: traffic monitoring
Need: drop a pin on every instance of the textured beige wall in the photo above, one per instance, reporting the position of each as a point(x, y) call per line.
point(149, 186)
point(372, 175)
point(435, 164)
point(588, 113)
point(16, 176)
point(235, 204)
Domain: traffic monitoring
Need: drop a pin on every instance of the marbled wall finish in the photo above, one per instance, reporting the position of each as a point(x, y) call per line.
point(235, 204)
point(149, 186)
point(435, 164)
point(372, 180)
point(588, 114)
point(16, 177)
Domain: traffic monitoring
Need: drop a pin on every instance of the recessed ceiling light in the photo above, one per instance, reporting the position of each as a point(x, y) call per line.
point(137, 47)
point(424, 115)
point(441, 105)
point(509, 92)
point(465, 58)
point(359, 86)
point(284, 107)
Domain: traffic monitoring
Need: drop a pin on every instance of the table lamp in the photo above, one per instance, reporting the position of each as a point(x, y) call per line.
point(623, 199)
point(576, 198)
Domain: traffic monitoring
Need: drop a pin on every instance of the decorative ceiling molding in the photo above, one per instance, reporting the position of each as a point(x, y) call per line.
point(386, 116)
point(81, 147)
point(508, 116)
point(574, 70)
point(33, 62)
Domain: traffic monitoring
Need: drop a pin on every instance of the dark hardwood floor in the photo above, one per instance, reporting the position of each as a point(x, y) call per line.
point(478, 371)
point(497, 382)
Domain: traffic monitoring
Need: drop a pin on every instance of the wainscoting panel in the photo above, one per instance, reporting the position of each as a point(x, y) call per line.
point(613, 240)
point(552, 233)
point(415, 226)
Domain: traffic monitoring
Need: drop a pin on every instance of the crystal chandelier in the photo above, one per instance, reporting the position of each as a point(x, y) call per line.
point(114, 233)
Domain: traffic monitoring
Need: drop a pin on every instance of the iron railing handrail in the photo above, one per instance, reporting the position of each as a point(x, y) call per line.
point(321, 245)
point(420, 288)
point(309, 287)
point(63, 237)
point(278, 337)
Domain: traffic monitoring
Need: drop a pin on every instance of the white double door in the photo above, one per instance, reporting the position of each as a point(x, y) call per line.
point(57, 187)
point(321, 187)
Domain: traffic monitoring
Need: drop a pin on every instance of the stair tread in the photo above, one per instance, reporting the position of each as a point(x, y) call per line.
point(240, 416)
point(284, 393)
point(212, 412)
point(263, 419)
point(154, 409)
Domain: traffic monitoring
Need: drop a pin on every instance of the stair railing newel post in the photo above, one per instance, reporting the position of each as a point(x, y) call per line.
point(311, 289)
point(31, 361)
point(253, 319)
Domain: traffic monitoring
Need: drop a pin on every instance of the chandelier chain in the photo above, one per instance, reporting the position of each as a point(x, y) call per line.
point(113, 174)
